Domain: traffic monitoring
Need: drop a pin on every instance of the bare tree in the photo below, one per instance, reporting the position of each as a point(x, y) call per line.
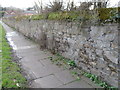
point(56, 5)
point(71, 6)
point(14, 9)
point(100, 3)
point(38, 7)
point(68, 5)
point(85, 5)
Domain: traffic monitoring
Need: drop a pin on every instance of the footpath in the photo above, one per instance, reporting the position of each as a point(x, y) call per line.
point(40, 71)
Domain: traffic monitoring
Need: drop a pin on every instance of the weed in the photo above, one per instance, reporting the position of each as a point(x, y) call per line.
point(96, 80)
point(50, 58)
point(74, 73)
point(67, 63)
point(72, 63)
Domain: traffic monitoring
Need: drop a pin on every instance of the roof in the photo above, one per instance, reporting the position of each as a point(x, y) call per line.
point(29, 12)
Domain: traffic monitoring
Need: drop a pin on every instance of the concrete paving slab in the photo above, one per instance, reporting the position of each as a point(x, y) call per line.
point(38, 71)
point(32, 52)
point(31, 62)
point(87, 80)
point(27, 54)
point(46, 62)
point(50, 65)
point(53, 68)
point(33, 58)
point(38, 68)
point(26, 43)
point(65, 76)
point(28, 50)
point(76, 84)
point(47, 82)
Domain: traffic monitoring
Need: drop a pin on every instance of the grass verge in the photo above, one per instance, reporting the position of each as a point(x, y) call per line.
point(11, 76)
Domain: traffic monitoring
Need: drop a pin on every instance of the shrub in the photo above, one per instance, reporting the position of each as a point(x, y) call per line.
point(37, 17)
point(107, 13)
point(102, 14)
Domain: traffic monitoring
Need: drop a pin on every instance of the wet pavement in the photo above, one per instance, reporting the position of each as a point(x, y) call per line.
point(39, 69)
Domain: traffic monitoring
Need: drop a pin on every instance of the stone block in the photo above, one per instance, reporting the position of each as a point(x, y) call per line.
point(111, 56)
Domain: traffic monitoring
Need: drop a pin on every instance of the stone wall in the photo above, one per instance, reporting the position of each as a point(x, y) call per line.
point(94, 48)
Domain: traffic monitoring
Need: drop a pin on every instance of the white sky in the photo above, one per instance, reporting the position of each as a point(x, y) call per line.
point(29, 3)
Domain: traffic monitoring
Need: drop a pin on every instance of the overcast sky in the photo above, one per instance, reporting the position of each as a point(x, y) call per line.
point(29, 3)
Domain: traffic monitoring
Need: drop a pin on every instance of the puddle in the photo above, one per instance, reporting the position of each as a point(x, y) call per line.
point(12, 43)
point(10, 34)
point(18, 48)
point(26, 47)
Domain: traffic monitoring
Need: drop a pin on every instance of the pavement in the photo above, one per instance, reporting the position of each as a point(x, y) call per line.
point(40, 71)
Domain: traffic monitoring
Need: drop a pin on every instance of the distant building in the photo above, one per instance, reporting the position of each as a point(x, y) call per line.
point(1, 12)
point(9, 13)
point(29, 13)
point(1, 8)
point(13, 13)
